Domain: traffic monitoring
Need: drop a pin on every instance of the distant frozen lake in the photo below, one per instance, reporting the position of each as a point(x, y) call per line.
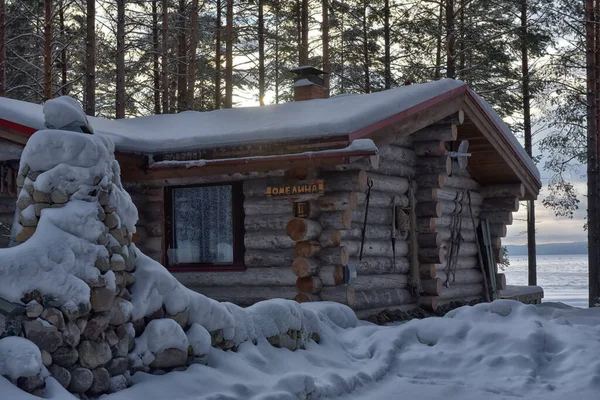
point(564, 278)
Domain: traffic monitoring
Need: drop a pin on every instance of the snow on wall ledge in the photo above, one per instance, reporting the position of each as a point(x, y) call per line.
point(97, 308)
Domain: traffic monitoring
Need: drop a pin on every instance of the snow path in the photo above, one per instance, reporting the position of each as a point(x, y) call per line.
point(505, 350)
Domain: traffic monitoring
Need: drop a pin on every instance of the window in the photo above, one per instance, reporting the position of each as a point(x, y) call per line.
point(205, 228)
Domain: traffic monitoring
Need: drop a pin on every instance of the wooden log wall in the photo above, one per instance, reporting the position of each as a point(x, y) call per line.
point(381, 283)
point(449, 205)
point(150, 235)
point(7, 213)
point(499, 202)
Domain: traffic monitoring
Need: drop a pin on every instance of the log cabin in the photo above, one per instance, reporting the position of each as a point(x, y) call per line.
point(359, 199)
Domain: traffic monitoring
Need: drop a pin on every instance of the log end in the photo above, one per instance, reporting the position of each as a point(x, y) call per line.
point(296, 229)
point(302, 267)
point(429, 303)
point(306, 298)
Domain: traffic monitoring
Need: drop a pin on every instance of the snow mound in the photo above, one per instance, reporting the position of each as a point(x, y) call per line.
point(20, 358)
point(199, 339)
point(495, 351)
point(65, 113)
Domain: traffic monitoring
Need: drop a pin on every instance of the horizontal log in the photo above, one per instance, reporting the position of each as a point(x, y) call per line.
point(427, 271)
point(397, 169)
point(370, 312)
point(451, 207)
point(468, 235)
point(461, 263)
point(243, 297)
point(370, 163)
point(381, 298)
point(465, 250)
point(334, 256)
point(266, 206)
point(461, 276)
point(508, 190)
point(429, 239)
point(268, 241)
point(459, 292)
point(387, 281)
point(433, 255)
point(496, 242)
point(255, 187)
point(336, 220)
point(250, 277)
point(457, 118)
point(376, 248)
point(382, 199)
point(307, 297)
point(338, 201)
point(462, 182)
point(435, 181)
point(398, 155)
point(498, 230)
point(501, 281)
point(405, 141)
point(432, 287)
point(382, 265)
point(446, 221)
point(331, 275)
point(303, 229)
point(303, 266)
point(429, 209)
point(345, 181)
point(500, 203)
point(309, 284)
point(430, 148)
point(307, 248)
point(388, 184)
point(333, 237)
point(447, 194)
point(429, 303)
point(439, 132)
point(268, 258)
point(268, 222)
point(434, 165)
point(344, 294)
point(502, 217)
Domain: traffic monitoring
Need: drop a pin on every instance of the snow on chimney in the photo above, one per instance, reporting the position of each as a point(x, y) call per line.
point(309, 83)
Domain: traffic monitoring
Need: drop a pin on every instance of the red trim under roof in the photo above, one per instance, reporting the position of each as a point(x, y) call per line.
point(25, 130)
point(366, 131)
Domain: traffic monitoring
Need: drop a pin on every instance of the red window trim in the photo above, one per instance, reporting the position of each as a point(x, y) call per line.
point(237, 216)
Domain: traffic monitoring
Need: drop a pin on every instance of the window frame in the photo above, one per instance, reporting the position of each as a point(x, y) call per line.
point(238, 231)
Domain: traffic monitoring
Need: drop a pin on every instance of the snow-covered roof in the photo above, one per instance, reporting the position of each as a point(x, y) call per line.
point(193, 130)
point(339, 116)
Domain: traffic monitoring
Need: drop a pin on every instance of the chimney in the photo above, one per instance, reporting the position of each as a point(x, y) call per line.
point(309, 83)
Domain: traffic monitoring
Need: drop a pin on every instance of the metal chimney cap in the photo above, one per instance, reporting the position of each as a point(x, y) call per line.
point(307, 70)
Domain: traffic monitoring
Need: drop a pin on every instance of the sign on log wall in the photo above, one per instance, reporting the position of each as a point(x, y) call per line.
point(300, 189)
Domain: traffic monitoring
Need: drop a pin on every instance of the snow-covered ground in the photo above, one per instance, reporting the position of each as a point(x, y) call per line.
point(496, 351)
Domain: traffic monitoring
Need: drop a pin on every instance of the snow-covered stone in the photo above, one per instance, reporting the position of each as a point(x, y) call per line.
point(55, 317)
point(34, 309)
point(20, 358)
point(169, 358)
point(62, 375)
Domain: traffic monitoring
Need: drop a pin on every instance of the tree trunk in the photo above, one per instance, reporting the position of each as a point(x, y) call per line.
point(450, 67)
point(276, 50)
point(90, 59)
point(191, 78)
point(155, 54)
point(164, 56)
point(325, 37)
point(303, 49)
point(532, 268)
point(2, 48)
point(182, 59)
point(438, 44)
point(261, 54)
point(592, 158)
point(366, 54)
point(229, 55)
point(218, 30)
point(63, 51)
point(387, 61)
point(120, 106)
point(47, 49)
